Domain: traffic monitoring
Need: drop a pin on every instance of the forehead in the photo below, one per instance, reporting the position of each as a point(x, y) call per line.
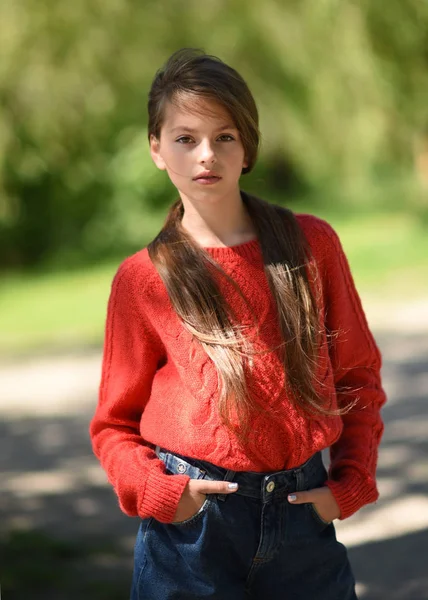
point(195, 112)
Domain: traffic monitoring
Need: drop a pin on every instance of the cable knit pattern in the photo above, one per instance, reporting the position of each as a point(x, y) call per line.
point(159, 387)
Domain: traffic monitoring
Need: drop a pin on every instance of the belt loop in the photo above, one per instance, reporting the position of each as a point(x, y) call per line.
point(300, 480)
point(228, 477)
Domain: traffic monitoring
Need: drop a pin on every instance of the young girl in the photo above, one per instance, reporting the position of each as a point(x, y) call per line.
point(236, 350)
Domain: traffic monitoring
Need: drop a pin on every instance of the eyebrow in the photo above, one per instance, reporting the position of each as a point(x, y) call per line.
point(190, 130)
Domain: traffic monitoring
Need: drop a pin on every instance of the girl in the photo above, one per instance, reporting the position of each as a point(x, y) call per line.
point(236, 350)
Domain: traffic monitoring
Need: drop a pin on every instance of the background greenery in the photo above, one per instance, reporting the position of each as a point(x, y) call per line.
point(342, 88)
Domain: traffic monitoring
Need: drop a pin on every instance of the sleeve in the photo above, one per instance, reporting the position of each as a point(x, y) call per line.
point(356, 363)
point(132, 351)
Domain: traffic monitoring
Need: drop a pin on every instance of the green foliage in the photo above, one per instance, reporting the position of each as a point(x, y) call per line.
point(341, 87)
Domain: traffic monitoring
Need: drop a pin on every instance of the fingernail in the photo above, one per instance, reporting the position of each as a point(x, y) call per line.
point(232, 486)
point(292, 498)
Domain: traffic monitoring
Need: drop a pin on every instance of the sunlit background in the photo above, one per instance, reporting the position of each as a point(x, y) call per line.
point(342, 89)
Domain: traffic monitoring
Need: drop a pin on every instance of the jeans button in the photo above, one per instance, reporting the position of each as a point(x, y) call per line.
point(270, 486)
point(181, 468)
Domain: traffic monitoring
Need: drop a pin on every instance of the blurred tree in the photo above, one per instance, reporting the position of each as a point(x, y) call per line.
point(341, 87)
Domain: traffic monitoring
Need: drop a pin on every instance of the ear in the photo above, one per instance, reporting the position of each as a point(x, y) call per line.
point(155, 153)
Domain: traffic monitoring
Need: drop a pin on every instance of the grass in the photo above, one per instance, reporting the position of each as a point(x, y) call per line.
point(388, 255)
point(58, 309)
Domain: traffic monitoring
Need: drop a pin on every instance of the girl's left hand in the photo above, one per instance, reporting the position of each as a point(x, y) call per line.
point(322, 499)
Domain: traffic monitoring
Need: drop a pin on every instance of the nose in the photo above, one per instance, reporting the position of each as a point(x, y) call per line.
point(206, 154)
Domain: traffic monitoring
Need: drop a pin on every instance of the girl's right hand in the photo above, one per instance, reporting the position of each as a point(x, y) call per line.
point(195, 494)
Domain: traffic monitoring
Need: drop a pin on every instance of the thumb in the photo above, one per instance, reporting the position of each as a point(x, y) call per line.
point(301, 497)
point(205, 486)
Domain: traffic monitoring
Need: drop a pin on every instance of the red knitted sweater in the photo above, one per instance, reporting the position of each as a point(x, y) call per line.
point(159, 387)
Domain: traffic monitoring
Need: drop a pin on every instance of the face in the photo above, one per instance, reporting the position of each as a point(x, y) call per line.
point(201, 150)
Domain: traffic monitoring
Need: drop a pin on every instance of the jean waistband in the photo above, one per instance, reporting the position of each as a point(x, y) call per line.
point(264, 486)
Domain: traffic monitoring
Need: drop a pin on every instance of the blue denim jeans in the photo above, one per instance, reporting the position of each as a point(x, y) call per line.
point(252, 544)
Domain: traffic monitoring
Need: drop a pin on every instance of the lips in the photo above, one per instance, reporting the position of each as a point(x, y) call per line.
point(207, 176)
point(207, 180)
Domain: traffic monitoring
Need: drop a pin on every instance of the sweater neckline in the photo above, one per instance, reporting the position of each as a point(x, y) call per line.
point(250, 250)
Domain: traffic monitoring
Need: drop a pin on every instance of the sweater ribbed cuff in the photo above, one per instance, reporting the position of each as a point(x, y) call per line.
point(162, 494)
point(352, 493)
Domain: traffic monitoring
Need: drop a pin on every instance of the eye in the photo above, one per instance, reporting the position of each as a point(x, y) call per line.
point(226, 137)
point(184, 139)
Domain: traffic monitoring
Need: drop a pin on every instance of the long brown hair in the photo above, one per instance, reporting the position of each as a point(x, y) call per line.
point(189, 273)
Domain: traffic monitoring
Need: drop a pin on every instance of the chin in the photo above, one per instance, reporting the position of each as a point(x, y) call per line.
point(212, 195)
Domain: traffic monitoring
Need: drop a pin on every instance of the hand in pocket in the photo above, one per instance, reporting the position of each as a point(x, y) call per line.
point(195, 494)
point(322, 499)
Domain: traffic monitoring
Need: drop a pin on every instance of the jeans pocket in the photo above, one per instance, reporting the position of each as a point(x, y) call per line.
point(315, 514)
point(196, 517)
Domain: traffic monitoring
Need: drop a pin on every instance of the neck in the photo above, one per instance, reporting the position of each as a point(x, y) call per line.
point(227, 223)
